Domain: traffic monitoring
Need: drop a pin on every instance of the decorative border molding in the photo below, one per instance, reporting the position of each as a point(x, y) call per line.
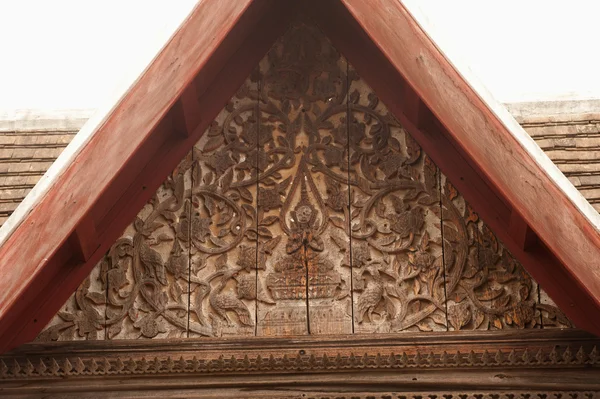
point(561, 349)
point(540, 364)
point(78, 366)
point(455, 395)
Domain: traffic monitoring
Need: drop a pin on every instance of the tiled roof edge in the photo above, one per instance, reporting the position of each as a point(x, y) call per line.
point(39, 121)
point(549, 112)
point(69, 120)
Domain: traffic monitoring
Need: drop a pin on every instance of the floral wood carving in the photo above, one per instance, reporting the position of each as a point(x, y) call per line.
point(397, 261)
point(486, 287)
point(224, 228)
point(305, 208)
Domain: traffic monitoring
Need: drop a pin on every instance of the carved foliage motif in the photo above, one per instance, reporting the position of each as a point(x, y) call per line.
point(305, 208)
point(397, 262)
point(488, 288)
point(223, 250)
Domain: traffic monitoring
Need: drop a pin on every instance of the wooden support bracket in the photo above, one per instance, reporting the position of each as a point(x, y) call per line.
point(521, 232)
point(186, 116)
point(84, 240)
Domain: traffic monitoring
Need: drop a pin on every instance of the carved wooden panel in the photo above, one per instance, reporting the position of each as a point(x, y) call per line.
point(396, 241)
point(83, 315)
point(305, 208)
point(303, 187)
point(223, 224)
point(140, 289)
point(486, 287)
point(147, 268)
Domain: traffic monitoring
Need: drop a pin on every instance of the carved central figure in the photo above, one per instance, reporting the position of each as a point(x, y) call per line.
point(303, 272)
point(304, 231)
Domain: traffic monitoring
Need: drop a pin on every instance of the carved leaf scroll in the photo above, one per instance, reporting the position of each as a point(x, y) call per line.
point(397, 261)
point(486, 287)
point(224, 229)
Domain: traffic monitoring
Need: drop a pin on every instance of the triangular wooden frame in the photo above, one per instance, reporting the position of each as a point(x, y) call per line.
point(119, 160)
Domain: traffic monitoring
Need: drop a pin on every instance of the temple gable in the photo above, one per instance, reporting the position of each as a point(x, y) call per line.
point(305, 209)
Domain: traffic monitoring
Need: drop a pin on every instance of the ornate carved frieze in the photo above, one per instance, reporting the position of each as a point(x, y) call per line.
point(82, 366)
point(305, 208)
point(468, 350)
point(537, 361)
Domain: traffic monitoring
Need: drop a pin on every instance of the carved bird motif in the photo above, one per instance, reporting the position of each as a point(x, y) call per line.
point(369, 299)
point(247, 289)
point(177, 264)
point(152, 261)
point(223, 302)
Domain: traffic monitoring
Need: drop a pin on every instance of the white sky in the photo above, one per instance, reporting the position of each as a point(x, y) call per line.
point(77, 53)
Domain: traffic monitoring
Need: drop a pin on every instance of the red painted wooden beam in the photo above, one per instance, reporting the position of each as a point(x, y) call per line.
point(127, 158)
point(84, 240)
point(473, 147)
point(521, 232)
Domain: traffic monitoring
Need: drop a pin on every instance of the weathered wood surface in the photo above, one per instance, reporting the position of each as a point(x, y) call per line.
point(500, 362)
point(521, 172)
point(556, 384)
point(337, 391)
point(222, 253)
point(397, 245)
point(302, 149)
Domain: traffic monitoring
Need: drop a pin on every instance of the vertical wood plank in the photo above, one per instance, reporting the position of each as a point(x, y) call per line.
point(283, 267)
point(147, 268)
point(223, 235)
point(326, 155)
point(396, 238)
point(303, 186)
point(487, 287)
